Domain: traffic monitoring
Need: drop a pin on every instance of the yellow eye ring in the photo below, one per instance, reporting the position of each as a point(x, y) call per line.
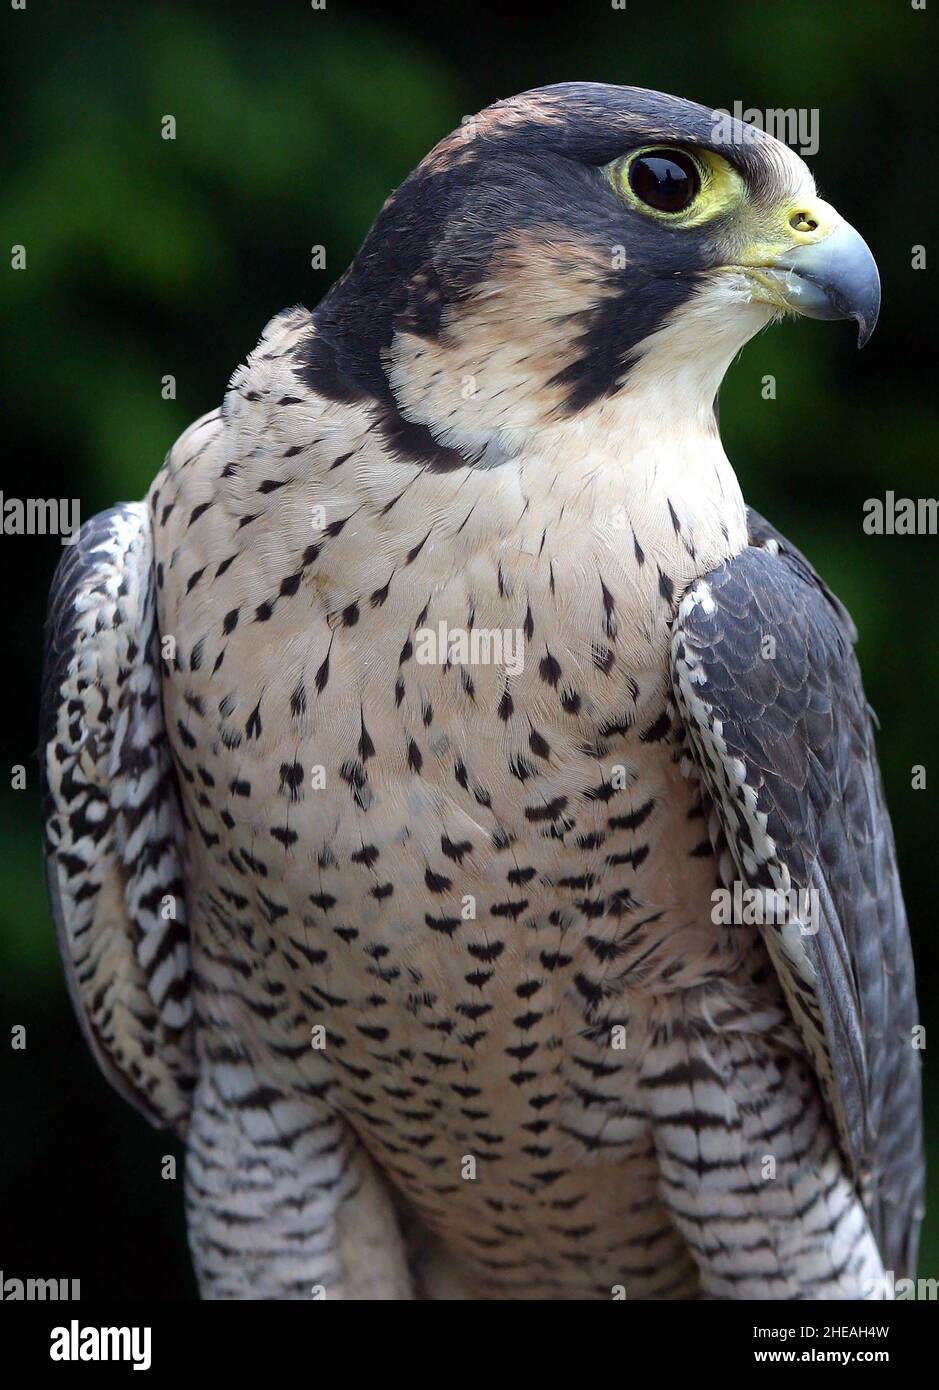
point(665, 180)
point(709, 184)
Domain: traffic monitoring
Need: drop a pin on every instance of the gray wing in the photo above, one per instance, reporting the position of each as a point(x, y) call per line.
point(767, 684)
point(112, 820)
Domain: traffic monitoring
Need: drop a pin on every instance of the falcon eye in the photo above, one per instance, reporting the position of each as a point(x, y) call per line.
point(667, 180)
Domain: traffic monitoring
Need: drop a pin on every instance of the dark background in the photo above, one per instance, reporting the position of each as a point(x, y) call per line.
point(148, 257)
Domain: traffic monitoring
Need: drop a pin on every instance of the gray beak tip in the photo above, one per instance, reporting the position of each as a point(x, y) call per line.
point(835, 279)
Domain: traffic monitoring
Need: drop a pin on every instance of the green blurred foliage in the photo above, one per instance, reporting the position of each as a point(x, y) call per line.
point(149, 257)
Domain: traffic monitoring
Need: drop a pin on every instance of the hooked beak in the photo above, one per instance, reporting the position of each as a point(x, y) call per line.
point(820, 267)
point(832, 279)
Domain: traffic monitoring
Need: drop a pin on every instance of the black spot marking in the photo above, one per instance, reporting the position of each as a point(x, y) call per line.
point(539, 745)
point(658, 730)
point(416, 550)
point(488, 951)
point(549, 669)
point(353, 774)
point(550, 811)
point(366, 746)
point(322, 675)
point(518, 877)
point(291, 780)
point(446, 925)
point(634, 819)
point(455, 850)
point(609, 610)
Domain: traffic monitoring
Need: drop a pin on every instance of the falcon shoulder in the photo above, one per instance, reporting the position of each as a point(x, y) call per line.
point(767, 684)
point(113, 825)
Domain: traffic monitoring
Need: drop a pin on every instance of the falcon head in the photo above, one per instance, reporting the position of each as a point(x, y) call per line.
point(575, 244)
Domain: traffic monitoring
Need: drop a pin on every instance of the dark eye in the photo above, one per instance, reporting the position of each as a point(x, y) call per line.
point(666, 180)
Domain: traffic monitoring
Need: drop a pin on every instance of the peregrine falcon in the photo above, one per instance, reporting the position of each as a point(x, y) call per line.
point(403, 749)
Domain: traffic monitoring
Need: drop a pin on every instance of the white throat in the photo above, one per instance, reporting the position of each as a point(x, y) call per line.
point(648, 458)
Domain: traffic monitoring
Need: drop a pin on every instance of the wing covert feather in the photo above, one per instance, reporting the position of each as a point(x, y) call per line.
point(766, 681)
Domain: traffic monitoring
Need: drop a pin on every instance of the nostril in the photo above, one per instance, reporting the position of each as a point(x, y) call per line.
point(803, 222)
